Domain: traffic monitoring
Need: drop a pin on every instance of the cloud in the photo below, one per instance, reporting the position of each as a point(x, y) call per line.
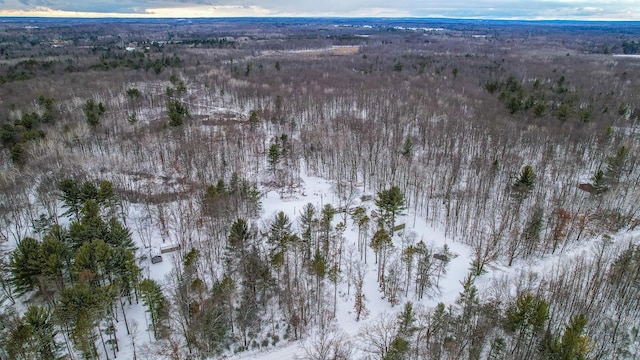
point(208, 11)
point(532, 9)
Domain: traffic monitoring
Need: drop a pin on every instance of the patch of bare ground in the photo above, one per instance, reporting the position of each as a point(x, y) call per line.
point(332, 51)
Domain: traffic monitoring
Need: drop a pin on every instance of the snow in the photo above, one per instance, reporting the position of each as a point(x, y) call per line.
point(319, 191)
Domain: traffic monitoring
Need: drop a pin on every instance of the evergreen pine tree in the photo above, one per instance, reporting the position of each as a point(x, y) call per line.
point(71, 197)
point(273, 157)
point(238, 241)
point(38, 319)
point(599, 182)
point(525, 320)
point(307, 225)
point(118, 235)
point(573, 345)
point(390, 203)
point(531, 232)
point(525, 181)
point(616, 165)
point(156, 304)
point(279, 231)
point(56, 256)
point(401, 344)
point(407, 149)
point(26, 266)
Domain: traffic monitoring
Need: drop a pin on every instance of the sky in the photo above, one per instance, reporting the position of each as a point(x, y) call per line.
point(484, 9)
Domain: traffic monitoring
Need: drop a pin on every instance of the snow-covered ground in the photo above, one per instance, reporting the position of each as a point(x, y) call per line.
point(318, 192)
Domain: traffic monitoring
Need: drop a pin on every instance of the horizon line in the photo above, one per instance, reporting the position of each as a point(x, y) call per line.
point(125, 16)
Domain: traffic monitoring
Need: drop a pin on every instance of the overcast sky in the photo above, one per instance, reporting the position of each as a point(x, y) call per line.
point(490, 9)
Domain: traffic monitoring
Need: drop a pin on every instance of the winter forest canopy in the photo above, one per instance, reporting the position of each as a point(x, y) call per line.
point(319, 189)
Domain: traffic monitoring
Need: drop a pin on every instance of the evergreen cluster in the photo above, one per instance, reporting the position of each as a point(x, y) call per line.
point(177, 110)
point(540, 98)
point(29, 127)
point(80, 273)
point(239, 196)
point(93, 111)
point(136, 60)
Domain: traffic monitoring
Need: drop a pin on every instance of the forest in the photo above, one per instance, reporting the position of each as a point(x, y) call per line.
point(290, 188)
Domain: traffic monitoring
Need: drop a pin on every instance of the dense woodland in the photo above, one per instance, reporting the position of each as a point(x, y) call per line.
point(518, 139)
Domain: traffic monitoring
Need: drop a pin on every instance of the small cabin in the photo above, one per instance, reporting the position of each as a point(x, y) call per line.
point(169, 248)
point(441, 257)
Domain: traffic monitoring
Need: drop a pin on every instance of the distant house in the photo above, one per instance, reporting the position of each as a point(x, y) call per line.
point(130, 47)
